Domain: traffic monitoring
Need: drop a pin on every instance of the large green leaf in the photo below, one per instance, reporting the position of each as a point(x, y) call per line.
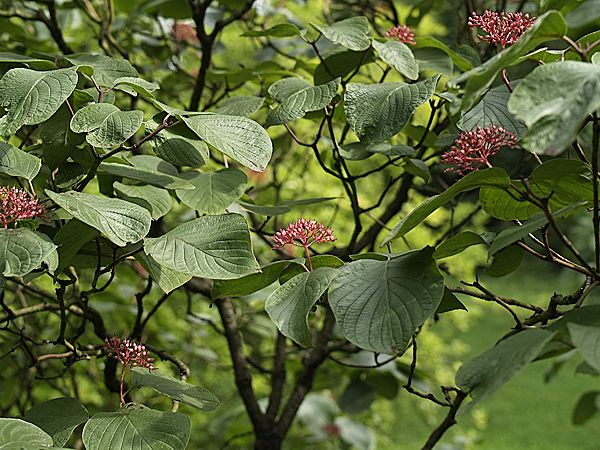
point(380, 304)
point(547, 27)
point(180, 146)
point(238, 137)
point(351, 33)
point(145, 174)
point(70, 238)
point(31, 97)
point(554, 101)
point(18, 163)
point(211, 246)
point(376, 112)
point(298, 102)
point(486, 373)
point(289, 305)
point(587, 341)
point(399, 56)
point(58, 417)
point(339, 63)
point(106, 70)
point(120, 221)
point(213, 191)
point(167, 279)
point(488, 177)
point(16, 434)
point(105, 124)
point(156, 200)
point(34, 63)
point(241, 105)
point(196, 396)
point(135, 85)
point(492, 110)
point(506, 203)
point(23, 250)
point(137, 428)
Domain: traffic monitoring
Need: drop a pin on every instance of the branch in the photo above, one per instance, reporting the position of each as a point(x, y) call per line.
point(448, 421)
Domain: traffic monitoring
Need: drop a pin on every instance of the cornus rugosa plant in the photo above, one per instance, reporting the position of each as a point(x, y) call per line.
point(473, 149)
point(17, 204)
point(401, 33)
point(130, 354)
point(501, 28)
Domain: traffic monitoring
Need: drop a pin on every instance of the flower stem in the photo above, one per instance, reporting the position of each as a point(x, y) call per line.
point(310, 266)
point(121, 382)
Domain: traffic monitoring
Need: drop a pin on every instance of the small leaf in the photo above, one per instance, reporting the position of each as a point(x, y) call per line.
point(587, 341)
point(23, 250)
point(31, 97)
point(16, 434)
point(340, 63)
point(506, 261)
point(351, 33)
point(501, 204)
point(290, 304)
point(105, 124)
point(137, 85)
point(215, 247)
point(238, 137)
point(137, 427)
point(430, 42)
point(486, 373)
point(399, 56)
point(242, 105)
point(179, 145)
point(379, 304)
point(154, 177)
point(214, 191)
point(192, 395)
point(70, 238)
point(34, 63)
point(377, 112)
point(106, 70)
point(587, 407)
point(279, 30)
point(457, 244)
point(167, 279)
point(449, 303)
point(58, 417)
point(18, 163)
point(120, 221)
point(156, 200)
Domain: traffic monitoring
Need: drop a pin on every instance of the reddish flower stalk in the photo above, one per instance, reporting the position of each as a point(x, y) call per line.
point(303, 233)
point(472, 149)
point(17, 204)
point(501, 28)
point(402, 33)
point(130, 354)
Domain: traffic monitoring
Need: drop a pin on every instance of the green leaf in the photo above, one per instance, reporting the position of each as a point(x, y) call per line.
point(214, 191)
point(486, 373)
point(215, 247)
point(23, 250)
point(515, 233)
point(70, 238)
point(106, 70)
point(587, 341)
point(380, 304)
point(137, 427)
point(58, 417)
point(34, 63)
point(167, 279)
point(279, 30)
point(554, 101)
point(317, 261)
point(418, 168)
point(492, 110)
point(565, 181)
point(154, 177)
point(105, 124)
point(135, 85)
point(505, 261)
point(341, 63)
point(399, 56)
point(290, 304)
point(156, 200)
point(430, 42)
point(265, 210)
point(31, 97)
point(192, 395)
point(587, 407)
point(18, 163)
point(434, 60)
point(547, 27)
point(297, 103)
point(242, 105)
point(458, 243)
point(357, 397)
point(449, 303)
point(488, 177)
point(498, 203)
point(238, 137)
point(376, 112)
point(584, 14)
point(16, 434)
point(250, 283)
point(351, 33)
point(120, 221)
point(180, 146)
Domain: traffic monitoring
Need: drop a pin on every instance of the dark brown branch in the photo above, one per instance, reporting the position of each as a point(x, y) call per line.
point(448, 421)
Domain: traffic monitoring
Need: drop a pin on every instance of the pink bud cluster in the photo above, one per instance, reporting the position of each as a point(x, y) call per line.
point(184, 32)
point(129, 353)
point(303, 233)
point(501, 28)
point(401, 33)
point(472, 149)
point(17, 204)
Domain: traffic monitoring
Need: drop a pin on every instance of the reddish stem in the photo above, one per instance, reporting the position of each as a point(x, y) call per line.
point(121, 382)
point(310, 266)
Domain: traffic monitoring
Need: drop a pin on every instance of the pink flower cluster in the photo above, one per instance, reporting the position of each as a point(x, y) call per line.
point(303, 233)
point(472, 149)
point(129, 353)
point(501, 28)
point(184, 32)
point(402, 33)
point(17, 204)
